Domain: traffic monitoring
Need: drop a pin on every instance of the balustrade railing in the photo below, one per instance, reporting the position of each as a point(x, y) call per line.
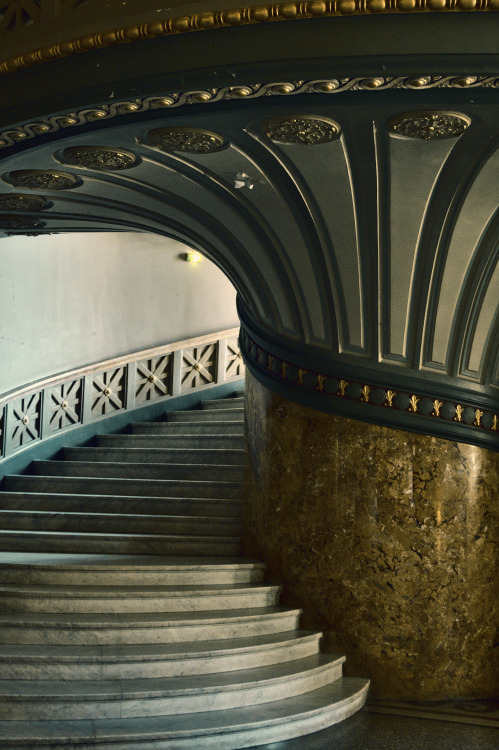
point(58, 404)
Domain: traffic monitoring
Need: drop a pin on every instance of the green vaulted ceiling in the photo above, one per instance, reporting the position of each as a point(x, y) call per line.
point(343, 172)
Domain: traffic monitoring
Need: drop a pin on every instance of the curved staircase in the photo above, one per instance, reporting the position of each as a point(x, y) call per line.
point(128, 621)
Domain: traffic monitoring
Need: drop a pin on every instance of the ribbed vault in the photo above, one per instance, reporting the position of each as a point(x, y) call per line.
point(359, 224)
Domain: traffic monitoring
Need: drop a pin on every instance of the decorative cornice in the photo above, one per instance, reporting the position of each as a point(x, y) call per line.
point(388, 404)
point(219, 19)
point(107, 111)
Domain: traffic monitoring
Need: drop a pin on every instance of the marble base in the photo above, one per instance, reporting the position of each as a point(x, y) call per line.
point(385, 538)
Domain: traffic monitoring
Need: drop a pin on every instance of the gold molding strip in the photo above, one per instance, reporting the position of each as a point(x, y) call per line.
point(109, 110)
point(217, 19)
point(412, 403)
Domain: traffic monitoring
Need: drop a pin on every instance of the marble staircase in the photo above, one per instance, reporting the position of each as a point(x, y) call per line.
point(128, 619)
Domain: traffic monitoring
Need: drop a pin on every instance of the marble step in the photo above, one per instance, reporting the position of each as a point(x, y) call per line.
point(174, 456)
point(86, 699)
point(140, 628)
point(176, 442)
point(117, 486)
point(118, 570)
point(118, 544)
point(223, 403)
point(121, 504)
point(153, 660)
point(248, 726)
point(102, 523)
point(206, 415)
point(158, 598)
point(206, 429)
point(124, 470)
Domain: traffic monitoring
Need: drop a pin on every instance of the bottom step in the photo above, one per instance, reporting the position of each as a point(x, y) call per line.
point(215, 730)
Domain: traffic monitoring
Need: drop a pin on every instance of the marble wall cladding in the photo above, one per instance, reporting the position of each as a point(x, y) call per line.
point(385, 538)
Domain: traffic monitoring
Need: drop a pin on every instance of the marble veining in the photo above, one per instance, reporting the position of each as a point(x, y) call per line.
point(386, 538)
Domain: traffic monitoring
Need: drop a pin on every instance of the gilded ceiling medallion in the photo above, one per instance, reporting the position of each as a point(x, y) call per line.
point(304, 130)
point(99, 157)
point(19, 223)
point(185, 139)
point(19, 202)
point(430, 125)
point(38, 179)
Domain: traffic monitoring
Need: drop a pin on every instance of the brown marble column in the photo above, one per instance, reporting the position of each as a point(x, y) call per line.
point(385, 538)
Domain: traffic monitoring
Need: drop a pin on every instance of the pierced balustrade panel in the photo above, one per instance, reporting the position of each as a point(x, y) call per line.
point(234, 365)
point(17, 14)
point(65, 405)
point(25, 421)
point(108, 392)
point(2, 429)
point(199, 366)
point(153, 379)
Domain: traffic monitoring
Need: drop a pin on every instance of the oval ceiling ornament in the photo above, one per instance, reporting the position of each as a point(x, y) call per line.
point(429, 126)
point(20, 202)
point(303, 130)
point(42, 179)
point(185, 140)
point(100, 158)
point(20, 223)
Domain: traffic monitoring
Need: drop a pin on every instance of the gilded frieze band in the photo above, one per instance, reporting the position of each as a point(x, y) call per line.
point(108, 111)
point(223, 18)
point(328, 387)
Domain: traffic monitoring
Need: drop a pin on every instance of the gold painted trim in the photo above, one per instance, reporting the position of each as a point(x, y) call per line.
point(317, 382)
point(218, 19)
point(28, 130)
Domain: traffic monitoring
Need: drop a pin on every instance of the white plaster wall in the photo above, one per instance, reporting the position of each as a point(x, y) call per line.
point(69, 300)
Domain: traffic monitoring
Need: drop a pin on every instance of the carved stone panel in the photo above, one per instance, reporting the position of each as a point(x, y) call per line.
point(234, 365)
point(66, 405)
point(2, 429)
point(108, 392)
point(24, 423)
point(153, 379)
point(199, 366)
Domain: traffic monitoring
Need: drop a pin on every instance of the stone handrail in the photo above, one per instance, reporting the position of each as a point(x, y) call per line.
point(79, 397)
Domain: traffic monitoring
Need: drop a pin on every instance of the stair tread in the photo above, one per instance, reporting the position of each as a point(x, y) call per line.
point(142, 619)
point(338, 693)
point(139, 591)
point(88, 561)
point(81, 690)
point(142, 517)
point(154, 651)
point(71, 462)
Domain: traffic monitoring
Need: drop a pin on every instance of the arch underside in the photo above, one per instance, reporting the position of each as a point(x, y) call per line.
point(368, 258)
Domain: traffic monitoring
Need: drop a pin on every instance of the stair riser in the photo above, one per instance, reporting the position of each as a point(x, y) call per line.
point(113, 605)
point(207, 415)
point(190, 428)
point(139, 577)
point(249, 736)
point(147, 455)
point(198, 442)
point(181, 472)
point(62, 636)
point(137, 487)
point(149, 705)
point(88, 524)
point(81, 543)
point(223, 404)
point(57, 503)
point(157, 669)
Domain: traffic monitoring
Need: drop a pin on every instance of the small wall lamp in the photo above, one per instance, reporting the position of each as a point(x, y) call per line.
point(192, 257)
